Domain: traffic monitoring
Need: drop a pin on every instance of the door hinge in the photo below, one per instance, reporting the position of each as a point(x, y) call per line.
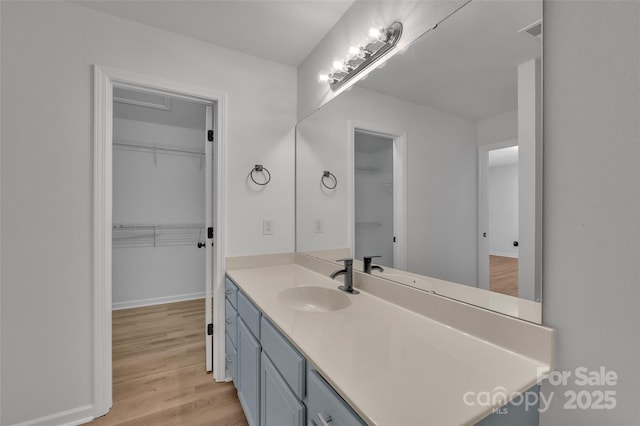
point(210, 232)
point(209, 135)
point(210, 329)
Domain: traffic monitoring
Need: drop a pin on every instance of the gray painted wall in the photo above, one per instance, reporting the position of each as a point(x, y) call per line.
point(591, 233)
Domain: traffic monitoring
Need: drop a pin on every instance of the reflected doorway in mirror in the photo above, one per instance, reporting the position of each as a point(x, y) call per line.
point(378, 208)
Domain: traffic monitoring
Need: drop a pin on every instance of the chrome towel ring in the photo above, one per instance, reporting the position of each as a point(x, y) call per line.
point(260, 169)
point(329, 180)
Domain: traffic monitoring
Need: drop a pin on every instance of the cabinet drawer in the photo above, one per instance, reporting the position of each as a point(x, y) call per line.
point(231, 292)
point(288, 361)
point(323, 401)
point(249, 314)
point(231, 360)
point(231, 322)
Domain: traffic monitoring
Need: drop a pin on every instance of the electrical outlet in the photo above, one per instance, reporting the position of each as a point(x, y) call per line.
point(318, 226)
point(267, 226)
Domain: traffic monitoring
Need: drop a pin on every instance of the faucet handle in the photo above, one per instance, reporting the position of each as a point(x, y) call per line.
point(347, 261)
point(370, 257)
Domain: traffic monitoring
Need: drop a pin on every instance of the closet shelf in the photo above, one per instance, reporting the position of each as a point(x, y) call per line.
point(367, 169)
point(368, 224)
point(145, 226)
point(155, 235)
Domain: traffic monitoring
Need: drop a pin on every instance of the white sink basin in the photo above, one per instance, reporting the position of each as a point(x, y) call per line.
point(314, 299)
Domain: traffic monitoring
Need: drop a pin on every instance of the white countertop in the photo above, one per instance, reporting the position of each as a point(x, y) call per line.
point(392, 365)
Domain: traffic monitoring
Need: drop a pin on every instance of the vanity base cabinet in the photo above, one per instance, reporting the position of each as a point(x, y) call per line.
point(249, 352)
point(277, 386)
point(271, 374)
point(278, 405)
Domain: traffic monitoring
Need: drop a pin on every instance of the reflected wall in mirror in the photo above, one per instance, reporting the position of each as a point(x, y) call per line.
point(425, 180)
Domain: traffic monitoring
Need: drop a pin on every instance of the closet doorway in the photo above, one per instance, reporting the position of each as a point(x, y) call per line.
point(377, 193)
point(373, 197)
point(162, 179)
point(158, 219)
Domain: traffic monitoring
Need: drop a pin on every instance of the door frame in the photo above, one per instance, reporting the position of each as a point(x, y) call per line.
point(105, 79)
point(483, 208)
point(399, 187)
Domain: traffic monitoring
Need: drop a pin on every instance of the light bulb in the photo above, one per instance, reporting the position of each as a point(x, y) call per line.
point(338, 65)
point(359, 52)
point(323, 78)
point(375, 33)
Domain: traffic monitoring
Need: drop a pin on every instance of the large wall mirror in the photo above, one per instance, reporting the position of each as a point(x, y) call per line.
point(436, 162)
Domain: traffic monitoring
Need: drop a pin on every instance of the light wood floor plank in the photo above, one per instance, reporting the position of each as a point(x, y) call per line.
point(503, 273)
point(159, 373)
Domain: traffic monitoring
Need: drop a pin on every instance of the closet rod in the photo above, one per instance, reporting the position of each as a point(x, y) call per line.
point(156, 147)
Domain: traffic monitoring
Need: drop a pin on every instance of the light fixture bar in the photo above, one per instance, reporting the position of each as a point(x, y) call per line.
point(363, 56)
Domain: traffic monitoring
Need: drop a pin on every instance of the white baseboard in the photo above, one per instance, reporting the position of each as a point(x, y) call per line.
point(73, 417)
point(497, 253)
point(156, 301)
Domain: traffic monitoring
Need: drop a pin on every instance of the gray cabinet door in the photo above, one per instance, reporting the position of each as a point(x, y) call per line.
point(249, 374)
point(278, 405)
point(325, 405)
point(231, 359)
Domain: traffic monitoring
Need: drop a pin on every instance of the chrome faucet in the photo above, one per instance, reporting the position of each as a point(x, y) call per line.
point(348, 276)
point(368, 267)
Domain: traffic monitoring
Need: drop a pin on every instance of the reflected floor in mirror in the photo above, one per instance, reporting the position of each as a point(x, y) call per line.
point(503, 275)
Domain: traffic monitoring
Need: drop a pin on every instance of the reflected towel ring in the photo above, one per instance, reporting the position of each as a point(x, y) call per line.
point(262, 169)
point(331, 177)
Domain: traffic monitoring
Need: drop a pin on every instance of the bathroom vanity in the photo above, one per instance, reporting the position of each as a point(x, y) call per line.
point(301, 352)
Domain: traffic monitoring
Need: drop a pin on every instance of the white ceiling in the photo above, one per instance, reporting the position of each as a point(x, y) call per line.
point(283, 31)
point(467, 65)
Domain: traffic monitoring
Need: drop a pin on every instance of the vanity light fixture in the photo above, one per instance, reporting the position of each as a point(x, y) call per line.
point(380, 41)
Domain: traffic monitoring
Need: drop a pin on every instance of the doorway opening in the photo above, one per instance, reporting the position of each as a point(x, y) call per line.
point(159, 180)
point(373, 197)
point(499, 217)
point(378, 202)
point(153, 218)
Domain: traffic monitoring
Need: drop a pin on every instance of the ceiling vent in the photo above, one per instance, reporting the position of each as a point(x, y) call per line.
point(534, 30)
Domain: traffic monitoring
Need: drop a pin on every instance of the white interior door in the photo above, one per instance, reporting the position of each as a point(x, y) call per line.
point(208, 280)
